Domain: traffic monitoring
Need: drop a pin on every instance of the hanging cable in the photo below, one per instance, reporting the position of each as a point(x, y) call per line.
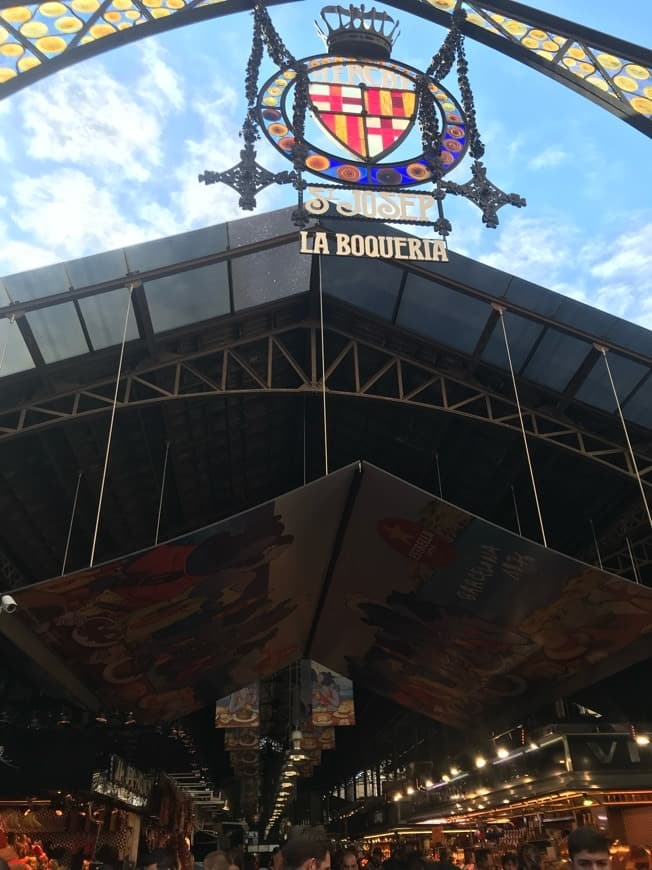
point(110, 435)
point(305, 440)
point(595, 542)
point(72, 522)
point(441, 492)
point(516, 513)
point(323, 369)
point(160, 501)
point(5, 345)
point(631, 556)
point(603, 351)
point(501, 311)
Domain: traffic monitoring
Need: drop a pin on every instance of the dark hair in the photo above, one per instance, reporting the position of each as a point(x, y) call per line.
point(305, 842)
point(509, 858)
point(163, 858)
point(481, 855)
point(587, 840)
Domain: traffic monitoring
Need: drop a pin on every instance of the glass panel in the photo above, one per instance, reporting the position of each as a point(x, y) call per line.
point(188, 297)
point(104, 316)
point(521, 334)
point(58, 332)
point(99, 267)
point(639, 407)
point(445, 315)
point(350, 279)
point(596, 389)
point(268, 275)
point(556, 360)
point(175, 249)
point(473, 273)
point(17, 357)
point(260, 227)
point(37, 283)
point(533, 296)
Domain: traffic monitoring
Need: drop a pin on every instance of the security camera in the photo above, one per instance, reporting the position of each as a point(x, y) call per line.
point(8, 604)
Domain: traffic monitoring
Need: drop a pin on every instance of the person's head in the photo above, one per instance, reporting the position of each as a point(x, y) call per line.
point(160, 859)
point(216, 861)
point(377, 856)
point(530, 856)
point(277, 859)
point(509, 861)
point(307, 848)
point(483, 859)
point(349, 860)
point(588, 849)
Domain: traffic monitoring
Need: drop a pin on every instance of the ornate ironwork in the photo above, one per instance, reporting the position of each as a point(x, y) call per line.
point(247, 178)
point(485, 194)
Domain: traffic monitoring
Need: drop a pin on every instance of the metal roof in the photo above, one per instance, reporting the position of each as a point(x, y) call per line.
point(223, 363)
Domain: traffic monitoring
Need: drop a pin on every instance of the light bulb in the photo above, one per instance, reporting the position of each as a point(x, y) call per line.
point(501, 752)
point(642, 740)
point(480, 761)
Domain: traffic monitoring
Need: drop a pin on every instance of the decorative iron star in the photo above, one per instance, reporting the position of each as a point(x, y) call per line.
point(247, 178)
point(485, 194)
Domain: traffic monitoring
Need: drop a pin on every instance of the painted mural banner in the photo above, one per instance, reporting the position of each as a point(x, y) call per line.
point(240, 709)
point(428, 605)
point(168, 630)
point(451, 615)
point(332, 698)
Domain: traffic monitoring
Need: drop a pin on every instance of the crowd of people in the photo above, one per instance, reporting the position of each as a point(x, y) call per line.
point(310, 848)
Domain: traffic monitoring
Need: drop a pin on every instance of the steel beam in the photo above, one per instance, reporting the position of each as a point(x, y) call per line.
point(397, 378)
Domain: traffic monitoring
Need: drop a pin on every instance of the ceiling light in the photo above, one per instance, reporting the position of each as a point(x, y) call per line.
point(642, 740)
point(455, 771)
point(429, 783)
point(398, 796)
point(409, 790)
point(501, 752)
point(534, 744)
point(446, 778)
point(480, 761)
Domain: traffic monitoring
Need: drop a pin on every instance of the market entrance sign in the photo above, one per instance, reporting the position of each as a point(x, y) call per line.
point(370, 127)
point(375, 247)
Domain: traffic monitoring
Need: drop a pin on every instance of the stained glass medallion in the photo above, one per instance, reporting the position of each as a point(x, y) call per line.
point(366, 111)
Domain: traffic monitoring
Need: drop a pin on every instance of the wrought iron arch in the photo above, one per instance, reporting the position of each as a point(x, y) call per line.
point(45, 37)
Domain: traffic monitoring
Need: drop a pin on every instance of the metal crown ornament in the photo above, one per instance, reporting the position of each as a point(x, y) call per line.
point(371, 128)
point(358, 33)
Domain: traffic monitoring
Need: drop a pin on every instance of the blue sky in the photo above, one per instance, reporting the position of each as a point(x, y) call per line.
point(107, 154)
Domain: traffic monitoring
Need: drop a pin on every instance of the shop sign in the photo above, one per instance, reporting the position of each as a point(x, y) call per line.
point(374, 247)
point(608, 752)
point(414, 208)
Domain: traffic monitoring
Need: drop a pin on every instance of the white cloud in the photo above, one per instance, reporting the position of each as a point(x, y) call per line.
point(67, 212)
point(549, 157)
point(160, 86)
point(92, 120)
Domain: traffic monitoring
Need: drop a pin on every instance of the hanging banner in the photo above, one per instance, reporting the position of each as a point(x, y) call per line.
point(241, 738)
point(240, 709)
point(332, 697)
